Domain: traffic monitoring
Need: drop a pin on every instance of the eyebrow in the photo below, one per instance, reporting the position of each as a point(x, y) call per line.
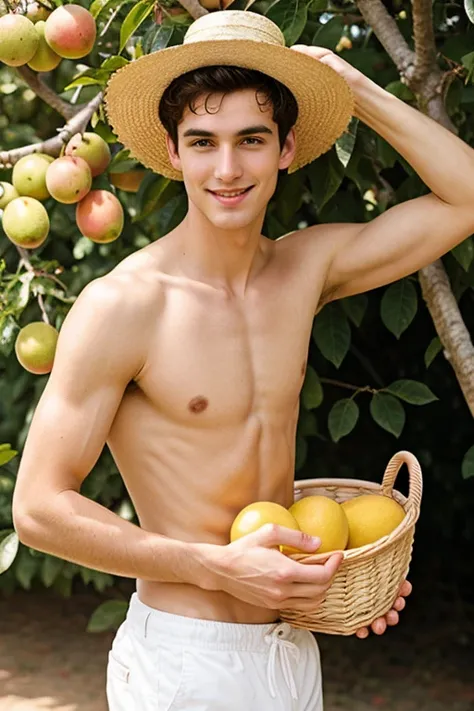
point(243, 132)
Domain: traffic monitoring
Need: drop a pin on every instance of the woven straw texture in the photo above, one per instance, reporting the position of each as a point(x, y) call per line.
point(367, 582)
point(242, 38)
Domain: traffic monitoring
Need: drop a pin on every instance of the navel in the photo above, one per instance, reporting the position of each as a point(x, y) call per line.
point(303, 367)
point(198, 404)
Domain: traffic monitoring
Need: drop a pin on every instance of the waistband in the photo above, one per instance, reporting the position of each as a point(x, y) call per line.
point(149, 622)
point(274, 638)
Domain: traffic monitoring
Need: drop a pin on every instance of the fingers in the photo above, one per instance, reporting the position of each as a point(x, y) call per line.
point(379, 625)
point(392, 618)
point(399, 604)
point(405, 588)
point(318, 573)
point(362, 633)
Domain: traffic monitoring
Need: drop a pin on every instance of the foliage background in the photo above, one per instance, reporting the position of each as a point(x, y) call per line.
point(360, 346)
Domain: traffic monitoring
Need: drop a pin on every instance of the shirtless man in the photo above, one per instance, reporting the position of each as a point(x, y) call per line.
point(187, 360)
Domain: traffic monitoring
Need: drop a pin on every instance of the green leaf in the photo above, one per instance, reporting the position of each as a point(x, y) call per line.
point(8, 549)
point(464, 253)
point(290, 16)
point(468, 62)
point(355, 307)
point(108, 616)
point(432, 351)
point(98, 7)
point(111, 64)
point(467, 468)
point(26, 567)
point(329, 34)
point(6, 454)
point(325, 176)
point(332, 333)
point(301, 452)
point(400, 90)
point(412, 392)
point(388, 412)
point(83, 81)
point(469, 7)
point(312, 391)
point(342, 418)
point(50, 570)
point(134, 19)
point(121, 162)
point(157, 37)
point(9, 330)
point(345, 143)
point(399, 306)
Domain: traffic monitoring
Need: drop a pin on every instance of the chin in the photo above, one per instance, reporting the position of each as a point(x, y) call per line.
point(230, 222)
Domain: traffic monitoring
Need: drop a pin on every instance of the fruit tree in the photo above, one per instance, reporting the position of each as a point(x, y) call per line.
point(74, 203)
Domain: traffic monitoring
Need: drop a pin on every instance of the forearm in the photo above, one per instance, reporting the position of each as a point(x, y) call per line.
point(442, 160)
point(82, 531)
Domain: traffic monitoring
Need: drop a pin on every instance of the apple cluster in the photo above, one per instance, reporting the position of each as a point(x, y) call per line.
point(41, 38)
point(68, 179)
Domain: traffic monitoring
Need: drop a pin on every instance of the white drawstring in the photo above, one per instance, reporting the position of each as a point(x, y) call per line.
point(277, 642)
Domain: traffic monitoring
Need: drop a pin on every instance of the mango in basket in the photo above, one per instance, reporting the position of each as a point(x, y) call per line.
point(371, 517)
point(323, 517)
point(255, 515)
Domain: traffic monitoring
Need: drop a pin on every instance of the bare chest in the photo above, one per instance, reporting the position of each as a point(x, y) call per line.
point(215, 360)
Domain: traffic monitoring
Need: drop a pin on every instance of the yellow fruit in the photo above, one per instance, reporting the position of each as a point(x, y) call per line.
point(256, 515)
point(129, 181)
point(29, 175)
point(371, 517)
point(35, 347)
point(323, 517)
point(7, 194)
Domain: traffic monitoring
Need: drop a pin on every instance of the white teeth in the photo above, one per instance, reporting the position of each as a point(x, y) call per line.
point(230, 194)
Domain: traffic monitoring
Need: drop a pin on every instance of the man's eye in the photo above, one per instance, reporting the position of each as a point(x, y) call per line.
point(205, 141)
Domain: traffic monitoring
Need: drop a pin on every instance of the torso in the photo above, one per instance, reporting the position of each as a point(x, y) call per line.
point(209, 424)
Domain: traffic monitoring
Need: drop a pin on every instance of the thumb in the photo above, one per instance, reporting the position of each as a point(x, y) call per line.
point(288, 539)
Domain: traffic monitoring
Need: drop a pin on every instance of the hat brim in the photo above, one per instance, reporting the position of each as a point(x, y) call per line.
point(325, 100)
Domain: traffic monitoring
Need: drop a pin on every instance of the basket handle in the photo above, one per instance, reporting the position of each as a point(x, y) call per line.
point(415, 477)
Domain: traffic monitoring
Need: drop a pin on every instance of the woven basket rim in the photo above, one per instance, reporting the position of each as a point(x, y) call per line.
point(405, 527)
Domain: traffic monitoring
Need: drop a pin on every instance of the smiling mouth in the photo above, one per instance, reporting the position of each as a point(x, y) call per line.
point(232, 194)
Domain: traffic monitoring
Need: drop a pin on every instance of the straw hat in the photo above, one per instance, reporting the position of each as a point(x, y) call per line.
point(227, 37)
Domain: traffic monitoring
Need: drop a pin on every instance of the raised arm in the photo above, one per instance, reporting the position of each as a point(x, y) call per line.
point(359, 257)
point(101, 347)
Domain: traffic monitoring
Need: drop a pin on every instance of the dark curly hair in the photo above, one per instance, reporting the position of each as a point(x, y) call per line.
point(184, 91)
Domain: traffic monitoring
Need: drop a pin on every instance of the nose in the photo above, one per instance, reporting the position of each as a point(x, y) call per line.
point(228, 167)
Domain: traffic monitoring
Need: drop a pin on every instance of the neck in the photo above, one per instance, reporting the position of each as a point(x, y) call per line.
point(224, 258)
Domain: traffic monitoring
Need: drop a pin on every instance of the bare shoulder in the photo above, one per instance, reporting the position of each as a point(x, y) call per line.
point(311, 247)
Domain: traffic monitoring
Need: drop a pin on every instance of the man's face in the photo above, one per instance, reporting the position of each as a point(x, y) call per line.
point(214, 158)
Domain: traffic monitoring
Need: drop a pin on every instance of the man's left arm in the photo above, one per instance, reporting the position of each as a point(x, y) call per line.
point(415, 233)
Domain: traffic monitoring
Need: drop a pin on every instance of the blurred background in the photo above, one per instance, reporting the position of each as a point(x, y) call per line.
point(57, 619)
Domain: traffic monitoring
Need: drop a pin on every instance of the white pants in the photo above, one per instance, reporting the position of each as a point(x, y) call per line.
point(165, 662)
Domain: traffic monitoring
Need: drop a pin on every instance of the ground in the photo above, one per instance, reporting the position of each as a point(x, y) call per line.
point(48, 660)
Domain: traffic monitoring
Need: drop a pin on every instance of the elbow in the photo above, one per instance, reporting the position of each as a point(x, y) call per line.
point(24, 524)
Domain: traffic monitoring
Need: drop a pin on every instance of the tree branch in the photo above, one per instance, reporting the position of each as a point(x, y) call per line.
point(52, 146)
point(421, 73)
point(194, 8)
point(47, 94)
point(377, 16)
point(450, 326)
point(425, 44)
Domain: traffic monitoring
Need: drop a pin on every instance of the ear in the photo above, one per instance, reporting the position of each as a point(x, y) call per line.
point(173, 153)
point(288, 151)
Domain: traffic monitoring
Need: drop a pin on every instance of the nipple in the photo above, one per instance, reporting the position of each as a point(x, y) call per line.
point(198, 404)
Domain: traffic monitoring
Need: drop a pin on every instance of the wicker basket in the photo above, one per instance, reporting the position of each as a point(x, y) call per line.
point(367, 582)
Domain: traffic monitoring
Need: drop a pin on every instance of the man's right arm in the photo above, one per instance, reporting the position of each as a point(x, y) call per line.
point(101, 347)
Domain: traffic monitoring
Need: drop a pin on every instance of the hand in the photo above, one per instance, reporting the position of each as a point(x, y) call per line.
point(379, 625)
point(353, 76)
point(255, 571)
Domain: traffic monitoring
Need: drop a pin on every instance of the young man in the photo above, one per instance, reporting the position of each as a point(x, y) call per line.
point(188, 360)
